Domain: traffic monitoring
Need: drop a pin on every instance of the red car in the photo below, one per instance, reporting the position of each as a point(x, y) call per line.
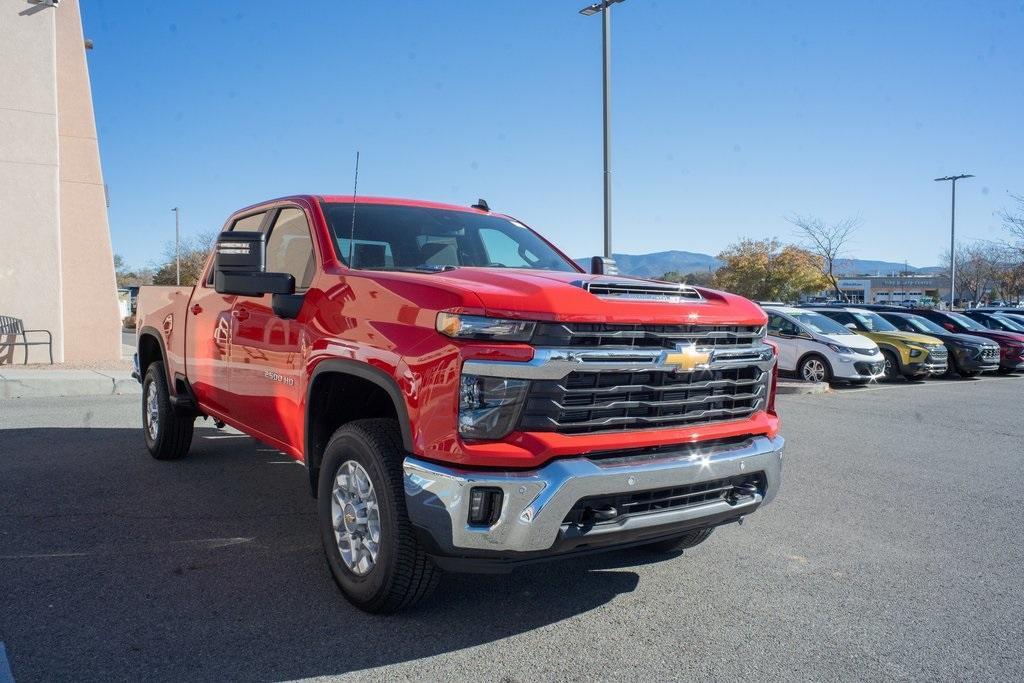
point(463, 395)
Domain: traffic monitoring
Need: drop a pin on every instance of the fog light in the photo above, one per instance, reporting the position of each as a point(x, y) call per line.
point(484, 505)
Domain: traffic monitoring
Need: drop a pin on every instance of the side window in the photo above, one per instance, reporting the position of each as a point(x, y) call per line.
point(842, 317)
point(775, 324)
point(290, 248)
point(248, 224)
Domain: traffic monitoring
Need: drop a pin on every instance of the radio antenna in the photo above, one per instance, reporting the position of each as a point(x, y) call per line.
point(352, 232)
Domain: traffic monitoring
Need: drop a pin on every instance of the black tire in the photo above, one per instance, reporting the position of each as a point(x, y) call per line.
point(806, 361)
point(173, 432)
point(403, 574)
point(892, 365)
point(687, 540)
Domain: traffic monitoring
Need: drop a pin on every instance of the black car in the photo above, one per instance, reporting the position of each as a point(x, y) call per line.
point(1011, 344)
point(969, 355)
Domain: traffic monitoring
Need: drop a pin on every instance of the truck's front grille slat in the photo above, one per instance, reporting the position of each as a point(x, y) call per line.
point(732, 489)
point(649, 336)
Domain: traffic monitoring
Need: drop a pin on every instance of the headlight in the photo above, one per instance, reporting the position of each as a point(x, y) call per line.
point(489, 406)
point(480, 327)
point(840, 349)
point(914, 353)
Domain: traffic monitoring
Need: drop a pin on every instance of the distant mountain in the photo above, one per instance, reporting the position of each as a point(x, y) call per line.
point(661, 262)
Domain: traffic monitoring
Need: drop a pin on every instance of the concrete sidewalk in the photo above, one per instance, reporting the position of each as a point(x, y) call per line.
point(18, 383)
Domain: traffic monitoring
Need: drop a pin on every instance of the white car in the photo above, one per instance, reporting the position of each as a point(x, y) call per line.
point(818, 349)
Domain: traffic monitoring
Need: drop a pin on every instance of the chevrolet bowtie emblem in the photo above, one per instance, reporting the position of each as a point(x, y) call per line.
point(688, 359)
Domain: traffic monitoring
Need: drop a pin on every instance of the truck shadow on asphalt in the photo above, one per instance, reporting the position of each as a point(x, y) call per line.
point(114, 565)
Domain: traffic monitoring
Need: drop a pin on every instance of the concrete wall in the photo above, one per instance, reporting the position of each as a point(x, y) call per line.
point(29, 163)
point(92, 322)
point(56, 266)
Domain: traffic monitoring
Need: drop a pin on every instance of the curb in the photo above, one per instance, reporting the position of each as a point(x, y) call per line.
point(52, 383)
point(791, 387)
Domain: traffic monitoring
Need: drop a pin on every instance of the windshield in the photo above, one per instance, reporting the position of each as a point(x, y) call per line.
point(925, 325)
point(816, 322)
point(873, 322)
point(399, 237)
point(969, 323)
point(1010, 323)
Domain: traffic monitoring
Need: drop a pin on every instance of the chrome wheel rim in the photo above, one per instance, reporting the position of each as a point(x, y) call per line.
point(814, 370)
point(356, 518)
point(152, 411)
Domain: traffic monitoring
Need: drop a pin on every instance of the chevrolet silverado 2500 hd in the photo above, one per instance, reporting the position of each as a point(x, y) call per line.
point(461, 393)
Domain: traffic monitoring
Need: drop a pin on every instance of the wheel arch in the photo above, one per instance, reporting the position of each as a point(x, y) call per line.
point(330, 384)
point(151, 349)
point(815, 354)
point(884, 346)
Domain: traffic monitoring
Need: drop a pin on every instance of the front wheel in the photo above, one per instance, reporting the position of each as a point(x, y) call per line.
point(168, 435)
point(815, 369)
point(892, 365)
point(369, 542)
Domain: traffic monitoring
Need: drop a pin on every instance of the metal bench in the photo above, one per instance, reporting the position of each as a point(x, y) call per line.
point(10, 329)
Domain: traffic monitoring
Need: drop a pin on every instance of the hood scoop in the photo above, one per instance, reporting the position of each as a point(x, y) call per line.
point(640, 290)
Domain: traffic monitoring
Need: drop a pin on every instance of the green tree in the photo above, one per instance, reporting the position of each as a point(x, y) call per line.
point(767, 270)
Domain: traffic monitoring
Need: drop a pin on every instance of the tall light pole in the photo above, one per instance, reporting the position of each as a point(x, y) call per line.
point(177, 243)
point(952, 236)
point(605, 9)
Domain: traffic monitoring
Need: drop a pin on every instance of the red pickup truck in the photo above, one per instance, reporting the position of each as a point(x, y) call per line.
point(463, 395)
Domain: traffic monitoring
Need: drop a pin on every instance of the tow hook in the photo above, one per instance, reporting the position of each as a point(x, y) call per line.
point(741, 491)
point(601, 514)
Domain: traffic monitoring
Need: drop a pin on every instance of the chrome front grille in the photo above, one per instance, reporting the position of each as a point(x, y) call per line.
point(990, 353)
point(937, 354)
point(585, 402)
point(645, 336)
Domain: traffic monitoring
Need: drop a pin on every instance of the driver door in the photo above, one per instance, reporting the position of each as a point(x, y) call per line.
point(784, 332)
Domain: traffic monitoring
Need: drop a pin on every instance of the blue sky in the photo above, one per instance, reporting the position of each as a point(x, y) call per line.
point(727, 116)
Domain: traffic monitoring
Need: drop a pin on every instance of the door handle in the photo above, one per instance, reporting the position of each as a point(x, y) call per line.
point(197, 309)
point(240, 314)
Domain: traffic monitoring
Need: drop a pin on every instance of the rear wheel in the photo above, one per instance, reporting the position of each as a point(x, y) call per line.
point(369, 542)
point(892, 365)
point(168, 435)
point(814, 369)
point(687, 540)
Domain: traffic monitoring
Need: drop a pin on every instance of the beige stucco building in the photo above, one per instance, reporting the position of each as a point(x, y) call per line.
point(56, 264)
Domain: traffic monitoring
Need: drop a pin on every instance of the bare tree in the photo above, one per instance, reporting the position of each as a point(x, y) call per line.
point(826, 240)
point(1013, 221)
point(980, 268)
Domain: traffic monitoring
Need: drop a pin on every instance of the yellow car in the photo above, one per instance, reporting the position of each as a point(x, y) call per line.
point(906, 353)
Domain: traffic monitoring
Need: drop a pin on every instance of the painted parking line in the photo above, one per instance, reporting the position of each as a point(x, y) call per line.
point(5, 669)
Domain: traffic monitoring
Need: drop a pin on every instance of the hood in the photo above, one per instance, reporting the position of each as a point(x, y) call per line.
point(965, 339)
point(912, 338)
point(853, 341)
point(562, 296)
point(1000, 336)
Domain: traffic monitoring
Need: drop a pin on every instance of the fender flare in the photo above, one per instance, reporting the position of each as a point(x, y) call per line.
point(365, 371)
point(150, 331)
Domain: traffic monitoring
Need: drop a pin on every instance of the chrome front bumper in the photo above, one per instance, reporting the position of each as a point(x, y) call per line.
point(536, 502)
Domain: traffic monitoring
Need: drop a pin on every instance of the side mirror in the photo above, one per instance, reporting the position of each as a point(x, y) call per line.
point(949, 326)
point(851, 326)
point(240, 264)
point(599, 265)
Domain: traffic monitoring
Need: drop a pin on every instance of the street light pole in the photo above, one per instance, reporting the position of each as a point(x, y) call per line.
point(177, 247)
point(952, 235)
point(605, 8)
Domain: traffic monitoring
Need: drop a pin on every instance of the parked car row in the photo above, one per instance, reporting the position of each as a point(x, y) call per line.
point(868, 343)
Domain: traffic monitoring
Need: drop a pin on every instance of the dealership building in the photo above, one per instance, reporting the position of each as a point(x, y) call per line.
point(895, 289)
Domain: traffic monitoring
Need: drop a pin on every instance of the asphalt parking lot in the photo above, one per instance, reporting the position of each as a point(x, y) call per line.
point(892, 552)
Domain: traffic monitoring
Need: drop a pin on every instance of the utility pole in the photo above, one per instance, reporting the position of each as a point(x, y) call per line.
point(605, 9)
point(952, 236)
point(177, 245)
